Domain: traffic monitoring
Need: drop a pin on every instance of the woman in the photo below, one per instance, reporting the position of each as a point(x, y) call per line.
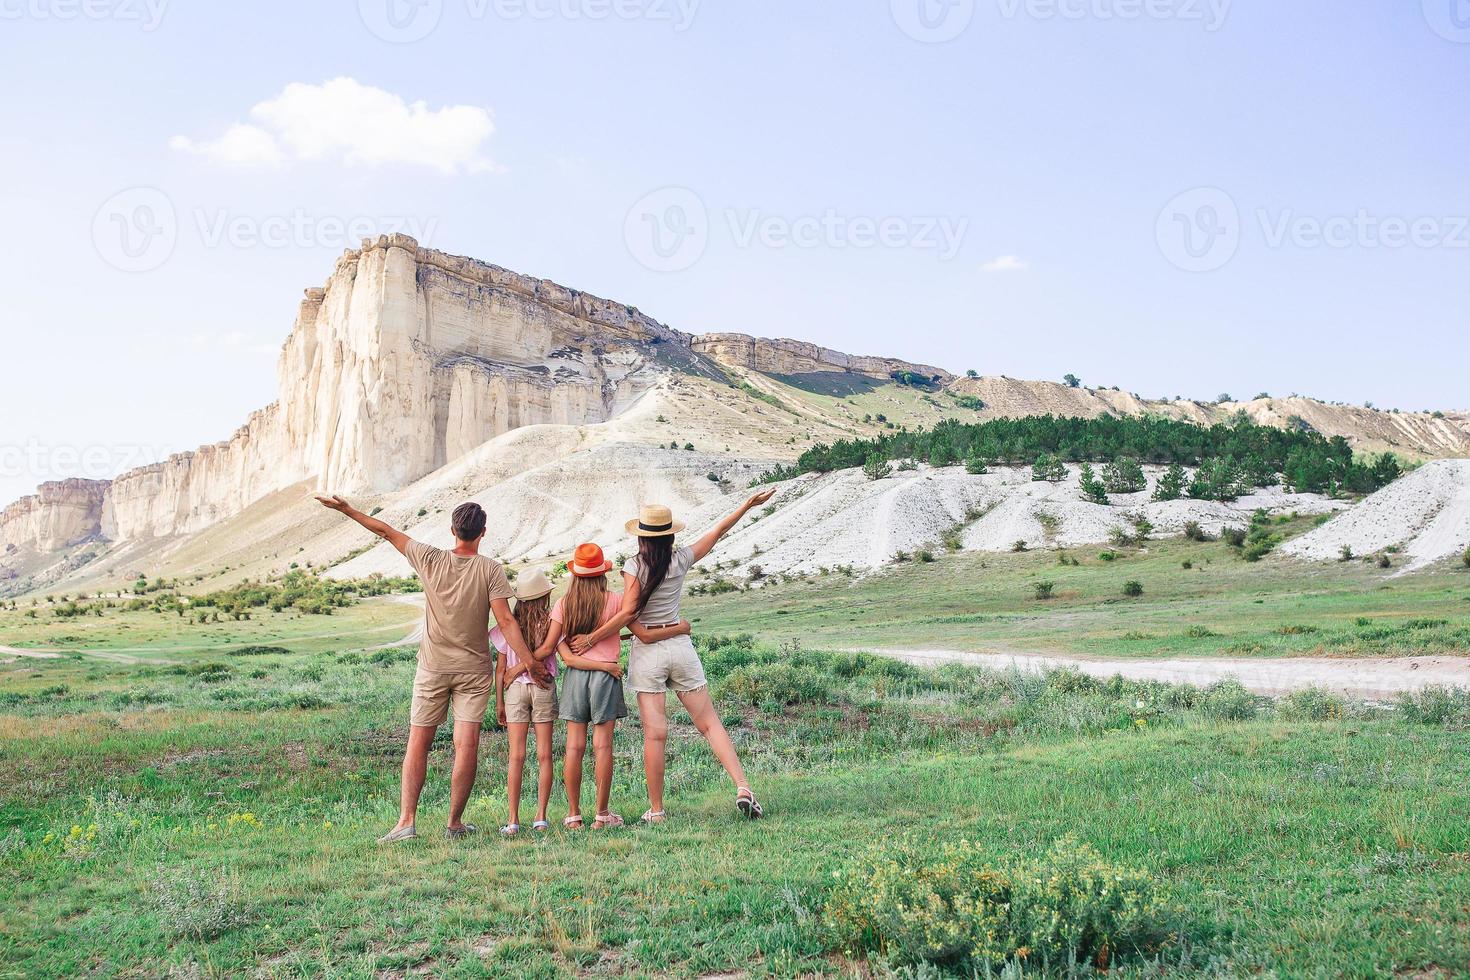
point(653, 586)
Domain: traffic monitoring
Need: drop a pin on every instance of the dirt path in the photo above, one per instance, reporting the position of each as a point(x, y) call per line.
point(1370, 677)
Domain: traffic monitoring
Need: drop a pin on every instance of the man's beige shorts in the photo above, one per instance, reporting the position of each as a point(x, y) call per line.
point(434, 693)
point(668, 665)
point(529, 704)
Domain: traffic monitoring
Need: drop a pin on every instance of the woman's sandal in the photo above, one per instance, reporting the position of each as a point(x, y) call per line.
point(654, 816)
point(747, 804)
point(510, 830)
point(574, 822)
point(606, 821)
point(540, 825)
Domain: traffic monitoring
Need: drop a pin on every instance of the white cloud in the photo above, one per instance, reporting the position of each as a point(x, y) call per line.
point(358, 124)
point(1006, 263)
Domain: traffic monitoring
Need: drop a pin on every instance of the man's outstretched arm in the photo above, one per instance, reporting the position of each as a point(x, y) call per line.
point(387, 532)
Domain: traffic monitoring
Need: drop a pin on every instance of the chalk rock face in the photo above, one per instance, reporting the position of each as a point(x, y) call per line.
point(405, 360)
point(796, 357)
point(58, 514)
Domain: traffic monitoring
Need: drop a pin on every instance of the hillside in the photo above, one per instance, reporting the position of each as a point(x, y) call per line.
point(413, 378)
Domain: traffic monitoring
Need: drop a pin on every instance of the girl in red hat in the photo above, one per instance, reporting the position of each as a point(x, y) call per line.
point(592, 690)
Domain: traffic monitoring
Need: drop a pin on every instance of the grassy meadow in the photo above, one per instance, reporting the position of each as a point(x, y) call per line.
point(179, 798)
point(1199, 598)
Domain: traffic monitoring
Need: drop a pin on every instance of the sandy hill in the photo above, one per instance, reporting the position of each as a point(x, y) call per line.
point(413, 379)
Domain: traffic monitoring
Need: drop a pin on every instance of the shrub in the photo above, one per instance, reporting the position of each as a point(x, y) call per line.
point(782, 683)
point(1345, 553)
point(195, 903)
point(1233, 536)
point(1228, 700)
point(1194, 532)
point(1050, 468)
point(876, 467)
point(1383, 561)
point(1044, 590)
point(924, 556)
point(1435, 705)
point(976, 465)
point(1107, 556)
point(1124, 475)
point(1132, 589)
point(1466, 557)
point(1311, 704)
point(955, 906)
point(1019, 546)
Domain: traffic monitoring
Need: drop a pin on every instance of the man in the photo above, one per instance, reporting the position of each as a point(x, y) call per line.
point(462, 588)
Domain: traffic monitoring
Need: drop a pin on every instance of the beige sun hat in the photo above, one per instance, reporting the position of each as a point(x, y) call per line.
point(654, 521)
point(533, 586)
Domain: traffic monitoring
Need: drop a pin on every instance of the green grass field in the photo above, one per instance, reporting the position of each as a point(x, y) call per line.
point(1221, 605)
point(208, 806)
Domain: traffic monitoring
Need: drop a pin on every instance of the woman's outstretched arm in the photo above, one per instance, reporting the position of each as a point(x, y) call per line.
point(707, 543)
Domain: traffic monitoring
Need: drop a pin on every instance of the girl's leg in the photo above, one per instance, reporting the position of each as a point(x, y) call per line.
point(543, 760)
point(652, 714)
point(572, 766)
point(515, 768)
point(602, 753)
point(702, 711)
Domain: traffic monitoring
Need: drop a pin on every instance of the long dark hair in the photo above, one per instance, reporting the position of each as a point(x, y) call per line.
point(654, 557)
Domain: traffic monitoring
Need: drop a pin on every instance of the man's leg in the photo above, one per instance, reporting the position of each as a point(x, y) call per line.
point(466, 761)
point(415, 764)
point(654, 719)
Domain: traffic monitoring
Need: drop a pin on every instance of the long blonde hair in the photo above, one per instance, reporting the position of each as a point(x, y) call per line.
point(533, 616)
point(583, 606)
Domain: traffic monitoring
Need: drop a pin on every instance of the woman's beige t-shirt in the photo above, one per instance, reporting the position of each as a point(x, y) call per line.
point(458, 590)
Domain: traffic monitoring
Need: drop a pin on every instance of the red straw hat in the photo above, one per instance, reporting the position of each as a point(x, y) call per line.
point(588, 562)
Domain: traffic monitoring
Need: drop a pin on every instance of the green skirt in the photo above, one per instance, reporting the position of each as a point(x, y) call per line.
point(591, 697)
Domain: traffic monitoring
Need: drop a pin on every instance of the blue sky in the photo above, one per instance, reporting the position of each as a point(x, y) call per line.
point(1034, 178)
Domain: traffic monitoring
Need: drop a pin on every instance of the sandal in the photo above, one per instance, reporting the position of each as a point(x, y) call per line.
point(539, 825)
point(747, 804)
point(574, 822)
point(654, 816)
point(606, 821)
point(510, 829)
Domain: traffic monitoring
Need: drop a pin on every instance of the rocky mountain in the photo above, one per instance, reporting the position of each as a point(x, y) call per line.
point(408, 362)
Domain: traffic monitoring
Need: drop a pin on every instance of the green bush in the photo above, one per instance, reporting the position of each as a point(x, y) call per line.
point(1124, 475)
point(781, 683)
point(1050, 468)
point(956, 906)
point(1435, 705)
point(1466, 557)
point(1228, 700)
point(1311, 704)
point(1092, 488)
point(1044, 590)
point(1132, 589)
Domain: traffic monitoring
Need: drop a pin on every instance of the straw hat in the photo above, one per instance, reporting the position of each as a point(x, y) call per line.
point(654, 521)
point(533, 586)
point(588, 562)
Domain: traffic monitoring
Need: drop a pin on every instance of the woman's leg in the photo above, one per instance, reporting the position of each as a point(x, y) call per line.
point(515, 768)
point(654, 718)
point(702, 711)
point(602, 755)
point(543, 760)
point(572, 766)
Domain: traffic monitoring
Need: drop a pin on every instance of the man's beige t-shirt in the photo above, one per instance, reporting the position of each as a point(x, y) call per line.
point(458, 590)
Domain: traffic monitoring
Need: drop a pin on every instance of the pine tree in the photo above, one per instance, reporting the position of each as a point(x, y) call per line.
point(1171, 484)
point(876, 467)
point(1124, 475)
point(1093, 488)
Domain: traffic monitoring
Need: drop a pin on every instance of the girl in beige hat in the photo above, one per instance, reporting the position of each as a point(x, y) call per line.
point(653, 585)
point(525, 695)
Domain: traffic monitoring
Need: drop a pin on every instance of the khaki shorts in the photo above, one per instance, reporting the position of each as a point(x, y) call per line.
point(527, 704)
point(434, 693)
point(668, 665)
